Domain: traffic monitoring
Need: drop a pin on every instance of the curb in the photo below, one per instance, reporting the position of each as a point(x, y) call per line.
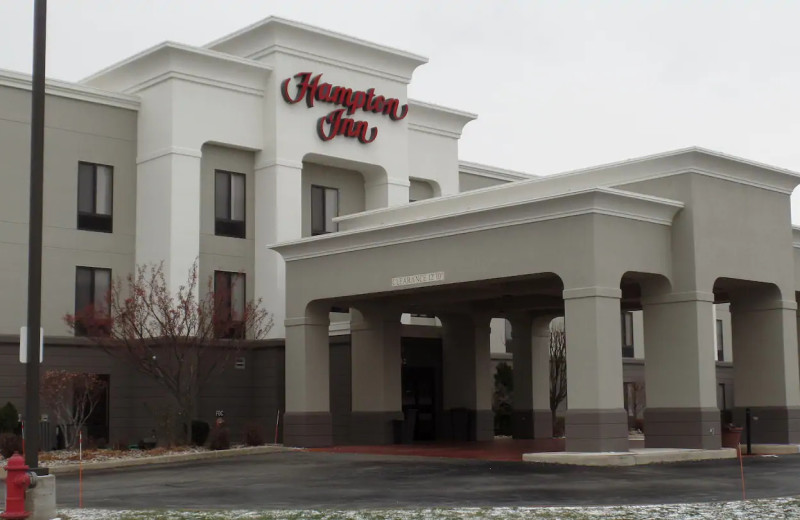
point(157, 460)
point(629, 458)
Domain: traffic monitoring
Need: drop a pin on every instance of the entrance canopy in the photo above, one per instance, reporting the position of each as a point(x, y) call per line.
point(673, 223)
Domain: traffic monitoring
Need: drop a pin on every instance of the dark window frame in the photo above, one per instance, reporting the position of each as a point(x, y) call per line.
point(719, 330)
point(236, 328)
point(94, 221)
point(79, 329)
point(325, 189)
point(228, 226)
point(627, 348)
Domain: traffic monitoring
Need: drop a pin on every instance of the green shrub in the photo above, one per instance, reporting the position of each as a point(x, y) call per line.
point(9, 419)
point(559, 427)
point(10, 443)
point(253, 435)
point(502, 399)
point(200, 431)
point(220, 438)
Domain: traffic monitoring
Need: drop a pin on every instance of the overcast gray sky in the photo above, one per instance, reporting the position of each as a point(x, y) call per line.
point(557, 85)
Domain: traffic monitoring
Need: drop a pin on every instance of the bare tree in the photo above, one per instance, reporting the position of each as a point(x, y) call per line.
point(558, 369)
point(179, 339)
point(71, 398)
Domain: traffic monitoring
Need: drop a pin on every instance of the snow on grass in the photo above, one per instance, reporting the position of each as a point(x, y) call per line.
point(771, 509)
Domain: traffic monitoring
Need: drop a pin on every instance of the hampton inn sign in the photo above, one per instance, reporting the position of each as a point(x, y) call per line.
point(335, 123)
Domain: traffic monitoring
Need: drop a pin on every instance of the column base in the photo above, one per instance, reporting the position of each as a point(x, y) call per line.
point(597, 430)
point(532, 424)
point(689, 428)
point(373, 428)
point(775, 424)
point(307, 429)
point(482, 425)
point(462, 424)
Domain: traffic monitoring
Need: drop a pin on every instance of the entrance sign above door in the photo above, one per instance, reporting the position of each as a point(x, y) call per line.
point(418, 279)
point(335, 124)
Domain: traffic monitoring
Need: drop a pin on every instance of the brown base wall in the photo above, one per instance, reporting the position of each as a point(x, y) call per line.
point(307, 429)
point(532, 424)
point(690, 428)
point(596, 430)
point(373, 428)
point(771, 424)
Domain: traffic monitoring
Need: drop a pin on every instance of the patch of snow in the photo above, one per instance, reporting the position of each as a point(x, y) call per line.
point(766, 509)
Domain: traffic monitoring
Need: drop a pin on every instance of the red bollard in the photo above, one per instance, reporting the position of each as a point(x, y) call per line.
point(18, 480)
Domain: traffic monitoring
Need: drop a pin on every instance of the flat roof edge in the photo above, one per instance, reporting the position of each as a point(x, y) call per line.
point(55, 87)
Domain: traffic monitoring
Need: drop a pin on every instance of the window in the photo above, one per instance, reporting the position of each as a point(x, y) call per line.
point(324, 207)
point(627, 334)
point(722, 403)
point(229, 292)
point(229, 206)
point(720, 342)
point(92, 287)
point(95, 197)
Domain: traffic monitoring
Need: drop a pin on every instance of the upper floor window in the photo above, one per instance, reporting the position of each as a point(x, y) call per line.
point(229, 291)
point(92, 291)
point(95, 200)
point(720, 342)
point(627, 334)
point(229, 205)
point(324, 207)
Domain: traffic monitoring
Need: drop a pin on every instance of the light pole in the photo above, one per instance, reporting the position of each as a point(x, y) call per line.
point(35, 236)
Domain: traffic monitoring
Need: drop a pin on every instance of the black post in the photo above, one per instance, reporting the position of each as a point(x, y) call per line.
point(35, 236)
point(747, 423)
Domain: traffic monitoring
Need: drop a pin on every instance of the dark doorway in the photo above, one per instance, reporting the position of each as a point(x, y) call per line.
point(419, 400)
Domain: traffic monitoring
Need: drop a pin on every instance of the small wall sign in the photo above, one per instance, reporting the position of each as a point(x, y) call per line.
point(311, 89)
point(418, 279)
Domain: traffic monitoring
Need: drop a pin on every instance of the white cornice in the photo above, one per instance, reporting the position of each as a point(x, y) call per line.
point(170, 60)
point(436, 119)
point(492, 172)
point(602, 201)
point(433, 131)
point(199, 80)
point(324, 60)
point(68, 90)
point(271, 22)
point(466, 116)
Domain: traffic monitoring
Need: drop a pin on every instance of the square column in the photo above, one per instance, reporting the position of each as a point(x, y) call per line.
point(466, 360)
point(168, 213)
point(680, 372)
point(596, 420)
point(530, 345)
point(383, 191)
point(307, 421)
point(376, 370)
point(278, 218)
point(765, 370)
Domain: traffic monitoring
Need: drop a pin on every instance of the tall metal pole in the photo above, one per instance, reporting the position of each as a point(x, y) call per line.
point(35, 235)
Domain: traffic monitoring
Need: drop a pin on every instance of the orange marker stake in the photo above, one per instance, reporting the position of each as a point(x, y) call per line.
point(741, 470)
point(80, 470)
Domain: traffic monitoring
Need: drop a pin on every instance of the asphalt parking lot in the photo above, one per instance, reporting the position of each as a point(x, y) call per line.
point(303, 480)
